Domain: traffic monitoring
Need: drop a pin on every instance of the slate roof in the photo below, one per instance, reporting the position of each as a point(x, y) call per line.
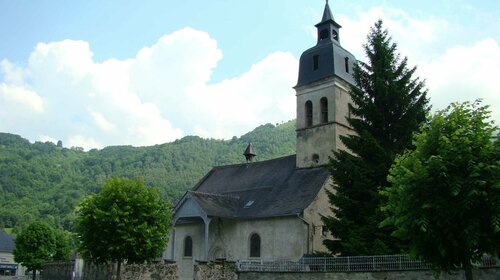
point(6, 242)
point(276, 187)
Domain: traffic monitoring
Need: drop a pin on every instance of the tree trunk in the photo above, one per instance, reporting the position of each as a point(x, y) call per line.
point(468, 271)
point(34, 274)
point(118, 270)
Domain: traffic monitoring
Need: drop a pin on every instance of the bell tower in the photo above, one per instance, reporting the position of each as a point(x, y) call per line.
point(322, 90)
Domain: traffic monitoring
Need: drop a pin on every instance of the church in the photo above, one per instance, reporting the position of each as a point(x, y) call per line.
point(271, 210)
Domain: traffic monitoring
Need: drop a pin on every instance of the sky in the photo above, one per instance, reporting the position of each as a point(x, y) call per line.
point(99, 73)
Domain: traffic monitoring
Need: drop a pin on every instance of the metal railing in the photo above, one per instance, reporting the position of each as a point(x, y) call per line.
point(336, 264)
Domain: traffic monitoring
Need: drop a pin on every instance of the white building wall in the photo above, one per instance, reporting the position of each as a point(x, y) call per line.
point(185, 263)
point(7, 258)
point(281, 238)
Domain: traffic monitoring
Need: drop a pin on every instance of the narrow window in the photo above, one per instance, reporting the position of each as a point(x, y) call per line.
point(335, 35)
point(315, 158)
point(324, 231)
point(255, 246)
point(315, 62)
point(309, 113)
point(188, 246)
point(346, 64)
point(323, 34)
point(324, 109)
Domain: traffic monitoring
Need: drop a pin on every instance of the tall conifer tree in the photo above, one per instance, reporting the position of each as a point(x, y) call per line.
point(389, 104)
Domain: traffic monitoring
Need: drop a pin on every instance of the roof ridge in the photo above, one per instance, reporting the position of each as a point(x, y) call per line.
point(251, 163)
point(216, 195)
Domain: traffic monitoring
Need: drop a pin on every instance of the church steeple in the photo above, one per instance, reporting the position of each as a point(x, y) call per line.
point(327, 13)
point(327, 58)
point(328, 29)
point(325, 78)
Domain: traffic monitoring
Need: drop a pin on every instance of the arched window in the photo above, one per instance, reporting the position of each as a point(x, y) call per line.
point(324, 109)
point(315, 158)
point(323, 34)
point(188, 246)
point(255, 246)
point(309, 113)
point(335, 35)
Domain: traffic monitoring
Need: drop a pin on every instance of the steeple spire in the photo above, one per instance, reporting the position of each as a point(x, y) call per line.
point(328, 29)
point(327, 13)
point(249, 153)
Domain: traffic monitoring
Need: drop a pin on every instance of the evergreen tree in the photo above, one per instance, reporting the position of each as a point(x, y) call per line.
point(389, 104)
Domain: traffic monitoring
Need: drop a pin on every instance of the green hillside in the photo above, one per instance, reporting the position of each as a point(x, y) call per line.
point(44, 181)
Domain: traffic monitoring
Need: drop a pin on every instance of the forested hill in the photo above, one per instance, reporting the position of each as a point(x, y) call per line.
point(46, 181)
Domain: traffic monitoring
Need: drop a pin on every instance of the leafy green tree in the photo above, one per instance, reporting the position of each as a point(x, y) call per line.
point(38, 244)
point(126, 221)
point(445, 194)
point(389, 103)
point(63, 248)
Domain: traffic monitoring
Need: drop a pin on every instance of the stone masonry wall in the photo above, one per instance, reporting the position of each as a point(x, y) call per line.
point(215, 271)
point(149, 271)
point(482, 274)
point(153, 271)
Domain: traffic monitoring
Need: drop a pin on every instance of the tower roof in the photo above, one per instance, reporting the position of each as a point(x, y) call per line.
point(328, 17)
point(327, 58)
point(327, 13)
point(249, 153)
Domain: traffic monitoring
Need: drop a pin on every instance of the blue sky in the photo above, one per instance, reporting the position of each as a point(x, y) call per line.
point(99, 73)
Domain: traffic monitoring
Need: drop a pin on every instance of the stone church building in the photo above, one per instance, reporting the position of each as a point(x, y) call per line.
point(270, 210)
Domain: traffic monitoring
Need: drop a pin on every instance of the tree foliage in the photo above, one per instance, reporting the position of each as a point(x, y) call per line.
point(38, 244)
point(125, 221)
point(44, 181)
point(389, 103)
point(444, 195)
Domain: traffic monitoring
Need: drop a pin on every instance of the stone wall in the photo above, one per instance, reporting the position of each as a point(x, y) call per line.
point(89, 271)
point(60, 270)
point(153, 271)
point(480, 274)
point(215, 271)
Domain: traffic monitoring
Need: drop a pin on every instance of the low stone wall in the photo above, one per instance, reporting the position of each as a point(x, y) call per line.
point(215, 271)
point(96, 272)
point(153, 271)
point(89, 271)
point(61, 270)
point(480, 274)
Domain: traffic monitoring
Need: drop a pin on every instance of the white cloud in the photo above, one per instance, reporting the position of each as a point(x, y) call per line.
point(83, 142)
point(456, 73)
point(416, 38)
point(101, 121)
point(234, 106)
point(22, 97)
point(46, 138)
point(161, 94)
point(164, 92)
point(465, 73)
